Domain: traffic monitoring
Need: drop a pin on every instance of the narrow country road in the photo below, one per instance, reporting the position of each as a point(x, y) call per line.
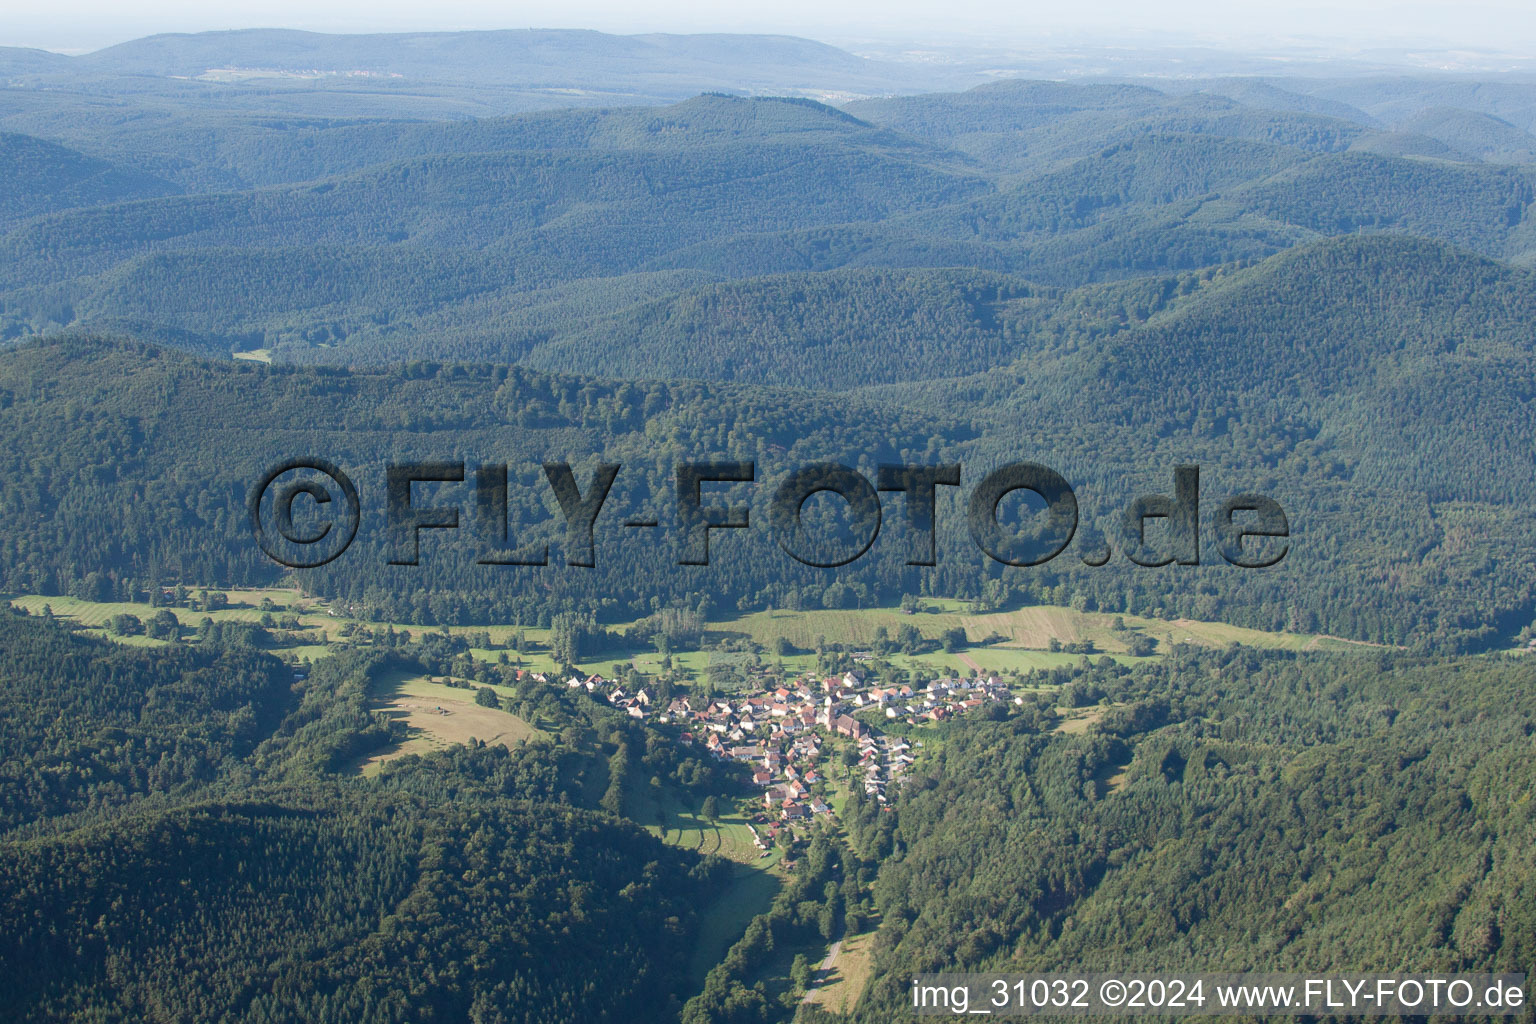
point(823, 969)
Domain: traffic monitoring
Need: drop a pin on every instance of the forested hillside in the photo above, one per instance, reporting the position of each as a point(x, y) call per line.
point(88, 725)
point(536, 236)
point(324, 905)
point(253, 880)
point(840, 329)
point(1111, 385)
point(1237, 811)
point(42, 177)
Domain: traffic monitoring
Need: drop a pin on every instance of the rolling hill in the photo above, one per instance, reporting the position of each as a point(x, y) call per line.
point(42, 177)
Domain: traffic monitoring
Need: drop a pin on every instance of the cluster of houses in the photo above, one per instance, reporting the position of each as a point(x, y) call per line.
point(783, 732)
point(944, 698)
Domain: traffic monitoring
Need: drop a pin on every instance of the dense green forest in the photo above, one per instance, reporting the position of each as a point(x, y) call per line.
point(1241, 811)
point(254, 879)
point(1408, 534)
point(88, 726)
point(535, 236)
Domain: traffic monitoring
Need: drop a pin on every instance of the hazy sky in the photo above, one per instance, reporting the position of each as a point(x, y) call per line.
point(1503, 25)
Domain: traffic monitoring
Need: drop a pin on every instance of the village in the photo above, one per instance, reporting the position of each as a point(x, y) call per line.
point(794, 736)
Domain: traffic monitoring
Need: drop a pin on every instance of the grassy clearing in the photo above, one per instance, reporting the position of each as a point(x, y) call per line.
point(438, 716)
point(668, 817)
point(650, 663)
point(244, 606)
point(838, 989)
point(750, 892)
point(1075, 721)
point(1026, 632)
point(674, 818)
point(754, 880)
point(315, 620)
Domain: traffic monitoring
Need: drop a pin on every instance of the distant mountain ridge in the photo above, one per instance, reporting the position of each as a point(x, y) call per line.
point(436, 74)
point(506, 56)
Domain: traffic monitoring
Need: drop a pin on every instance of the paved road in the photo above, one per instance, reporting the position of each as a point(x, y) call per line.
point(823, 969)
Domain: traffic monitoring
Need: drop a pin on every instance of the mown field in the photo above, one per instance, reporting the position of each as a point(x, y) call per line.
point(439, 716)
point(1011, 641)
point(754, 882)
point(315, 620)
point(1030, 629)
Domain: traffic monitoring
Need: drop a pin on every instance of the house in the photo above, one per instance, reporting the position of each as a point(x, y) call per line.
point(843, 725)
